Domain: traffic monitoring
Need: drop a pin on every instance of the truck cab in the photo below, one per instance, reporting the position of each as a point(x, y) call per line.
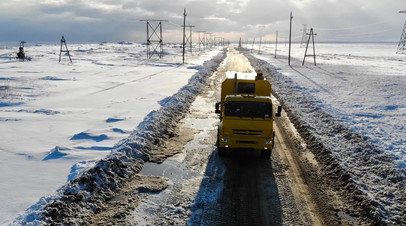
point(246, 115)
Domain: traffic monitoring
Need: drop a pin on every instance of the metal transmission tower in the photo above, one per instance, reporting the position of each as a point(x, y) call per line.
point(188, 39)
point(201, 39)
point(402, 41)
point(154, 38)
point(311, 35)
point(207, 40)
point(302, 43)
point(66, 49)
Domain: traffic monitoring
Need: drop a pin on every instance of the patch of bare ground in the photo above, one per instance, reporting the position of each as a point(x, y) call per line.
point(173, 146)
point(115, 211)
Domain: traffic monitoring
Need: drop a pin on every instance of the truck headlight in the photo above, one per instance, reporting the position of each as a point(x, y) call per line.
point(268, 142)
point(225, 140)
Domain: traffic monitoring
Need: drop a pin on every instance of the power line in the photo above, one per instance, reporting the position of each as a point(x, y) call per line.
point(353, 27)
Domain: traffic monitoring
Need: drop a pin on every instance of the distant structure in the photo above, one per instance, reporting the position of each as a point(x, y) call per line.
point(303, 41)
point(188, 38)
point(202, 40)
point(402, 41)
point(154, 38)
point(21, 53)
point(63, 42)
point(311, 35)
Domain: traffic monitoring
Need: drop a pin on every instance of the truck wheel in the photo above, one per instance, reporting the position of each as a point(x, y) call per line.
point(266, 153)
point(222, 151)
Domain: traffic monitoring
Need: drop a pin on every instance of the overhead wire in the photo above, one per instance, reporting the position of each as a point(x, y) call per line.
point(353, 27)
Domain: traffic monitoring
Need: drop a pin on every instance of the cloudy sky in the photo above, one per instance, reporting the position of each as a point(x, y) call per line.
point(119, 20)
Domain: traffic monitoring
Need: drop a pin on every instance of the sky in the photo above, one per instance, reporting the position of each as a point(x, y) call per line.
point(92, 21)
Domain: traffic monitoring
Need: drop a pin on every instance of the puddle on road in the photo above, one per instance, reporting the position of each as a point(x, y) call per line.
point(170, 168)
point(348, 218)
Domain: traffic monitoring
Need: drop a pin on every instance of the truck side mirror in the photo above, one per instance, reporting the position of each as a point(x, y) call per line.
point(278, 113)
point(217, 111)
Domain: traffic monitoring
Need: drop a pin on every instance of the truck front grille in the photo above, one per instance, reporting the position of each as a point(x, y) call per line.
point(245, 142)
point(247, 132)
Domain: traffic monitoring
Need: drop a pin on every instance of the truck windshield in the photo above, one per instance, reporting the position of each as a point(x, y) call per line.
point(248, 109)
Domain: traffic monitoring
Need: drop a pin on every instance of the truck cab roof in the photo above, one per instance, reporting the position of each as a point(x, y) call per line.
point(247, 97)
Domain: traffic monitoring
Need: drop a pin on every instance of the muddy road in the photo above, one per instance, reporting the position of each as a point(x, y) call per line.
point(240, 188)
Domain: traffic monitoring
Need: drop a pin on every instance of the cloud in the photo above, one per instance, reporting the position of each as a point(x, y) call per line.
point(117, 20)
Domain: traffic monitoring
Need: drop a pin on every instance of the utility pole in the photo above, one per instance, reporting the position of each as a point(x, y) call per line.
point(303, 41)
point(402, 41)
point(276, 43)
point(311, 35)
point(260, 43)
point(184, 31)
point(208, 35)
point(290, 37)
point(66, 49)
point(252, 47)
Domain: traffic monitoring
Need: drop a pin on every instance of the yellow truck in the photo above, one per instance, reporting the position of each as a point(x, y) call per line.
point(246, 115)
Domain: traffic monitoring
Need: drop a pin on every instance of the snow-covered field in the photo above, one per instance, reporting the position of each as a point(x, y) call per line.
point(352, 103)
point(54, 115)
point(363, 85)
